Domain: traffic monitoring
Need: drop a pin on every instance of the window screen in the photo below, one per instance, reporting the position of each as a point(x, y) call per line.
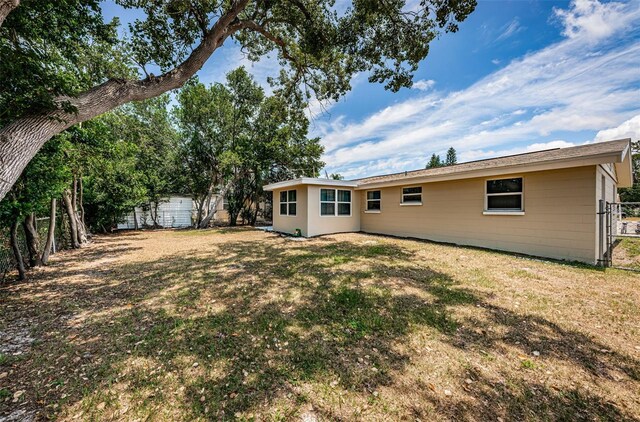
point(504, 194)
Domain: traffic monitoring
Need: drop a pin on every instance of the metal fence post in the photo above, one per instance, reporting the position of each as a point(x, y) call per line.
point(601, 232)
point(609, 211)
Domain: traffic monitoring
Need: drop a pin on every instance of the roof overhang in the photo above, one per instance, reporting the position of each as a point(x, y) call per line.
point(624, 168)
point(620, 158)
point(310, 181)
point(622, 162)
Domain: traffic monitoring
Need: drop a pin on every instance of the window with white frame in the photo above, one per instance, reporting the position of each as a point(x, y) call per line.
point(344, 202)
point(335, 202)
point(412, 195)
point(288, 204)
point(373, 200)
point(504, 195)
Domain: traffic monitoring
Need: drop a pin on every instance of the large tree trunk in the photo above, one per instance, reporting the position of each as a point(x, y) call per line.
point(16, 250)
point(82, 231)
point(153, 210)
point(212, 210)
point(6, 6)
point(50, 233)
point(21, 139)
point(200, 206)
point(73, 226)
point(205, 205)
point(33, 242)
point(81, 202)
point(233, 217)
point(135, 219)
point(254, 214)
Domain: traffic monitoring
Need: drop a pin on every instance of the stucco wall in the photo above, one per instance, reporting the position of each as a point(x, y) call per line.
point(319, 225)
point(287, 223)
point(559, 220)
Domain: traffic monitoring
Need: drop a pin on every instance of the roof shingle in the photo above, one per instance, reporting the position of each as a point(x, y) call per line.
point(536, 157)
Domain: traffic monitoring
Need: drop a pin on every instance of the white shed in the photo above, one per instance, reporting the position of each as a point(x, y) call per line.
point(174, 211)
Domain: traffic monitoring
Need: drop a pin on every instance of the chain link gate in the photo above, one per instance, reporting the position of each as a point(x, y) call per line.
point(622, 234)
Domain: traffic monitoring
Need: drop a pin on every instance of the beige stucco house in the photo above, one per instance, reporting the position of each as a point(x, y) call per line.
point(542, 203)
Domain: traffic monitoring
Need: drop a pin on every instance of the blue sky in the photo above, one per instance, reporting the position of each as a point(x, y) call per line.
point(518, 76)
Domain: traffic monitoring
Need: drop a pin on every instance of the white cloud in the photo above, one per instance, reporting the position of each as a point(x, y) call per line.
point(388, 119)
point(562, 88)
point(423, 84)
point(495, 61)
point(627, 129)
point(593, 20)
point(510, 29)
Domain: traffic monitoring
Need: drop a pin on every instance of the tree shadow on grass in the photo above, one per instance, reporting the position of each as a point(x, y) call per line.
point(518, 400)
point(246, 326)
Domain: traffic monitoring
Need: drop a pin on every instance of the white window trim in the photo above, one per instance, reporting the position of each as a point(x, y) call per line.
point(487, 211)
point(288, 202)
point(372, 211)
point(335, 202)
point(404, 203)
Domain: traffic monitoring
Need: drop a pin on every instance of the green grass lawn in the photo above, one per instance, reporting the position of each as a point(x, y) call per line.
point(240, 324)
point(626, 253)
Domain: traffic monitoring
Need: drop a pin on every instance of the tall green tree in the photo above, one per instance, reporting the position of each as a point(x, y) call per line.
point(277, 148)
point(434, 162)
point(147, 125)
point(205, 117)
point(452, 157)
point(244, 154)
point(234, 140)
point(113, 182)
point(123, 159)
point(61, 64)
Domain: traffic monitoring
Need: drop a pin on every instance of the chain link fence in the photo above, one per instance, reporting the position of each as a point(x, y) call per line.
point(623, 235)
point(7, 257)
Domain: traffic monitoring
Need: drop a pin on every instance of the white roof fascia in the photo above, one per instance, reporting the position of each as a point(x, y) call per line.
point(310, 181)
point(624, 168)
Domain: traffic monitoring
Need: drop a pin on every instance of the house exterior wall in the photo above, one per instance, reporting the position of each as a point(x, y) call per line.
point(606, 189)
point(288, 223)
point(559, 219)
point(221, 215)
point(319, 225)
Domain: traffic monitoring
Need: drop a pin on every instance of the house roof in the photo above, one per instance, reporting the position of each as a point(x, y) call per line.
point(616, 152)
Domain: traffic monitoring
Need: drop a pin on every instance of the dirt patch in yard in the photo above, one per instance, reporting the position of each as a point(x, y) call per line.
point(243, 324)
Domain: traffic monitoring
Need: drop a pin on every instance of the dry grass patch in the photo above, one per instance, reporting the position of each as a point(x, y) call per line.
point(240, 324)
